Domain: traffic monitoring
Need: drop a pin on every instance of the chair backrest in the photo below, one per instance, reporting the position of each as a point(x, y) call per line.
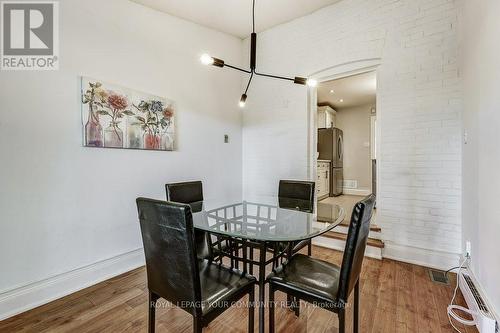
point(186, 192)
point(171, 264)
point(191, 193)
point(296, 194)
point(354, 252)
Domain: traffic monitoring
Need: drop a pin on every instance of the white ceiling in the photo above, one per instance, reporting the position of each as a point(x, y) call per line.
point(353, 90)
point(235, 16)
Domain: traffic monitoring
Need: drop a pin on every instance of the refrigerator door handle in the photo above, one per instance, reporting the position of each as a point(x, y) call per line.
point(340, 150)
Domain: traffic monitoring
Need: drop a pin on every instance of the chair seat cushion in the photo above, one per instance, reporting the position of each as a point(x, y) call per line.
point(314, 277)
point(220, 284)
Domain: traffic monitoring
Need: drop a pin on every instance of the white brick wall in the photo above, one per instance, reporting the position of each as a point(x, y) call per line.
point(419, 105)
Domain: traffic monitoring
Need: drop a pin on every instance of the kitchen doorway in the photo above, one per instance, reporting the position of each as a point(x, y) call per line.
point(343, 145)
point(345, 136)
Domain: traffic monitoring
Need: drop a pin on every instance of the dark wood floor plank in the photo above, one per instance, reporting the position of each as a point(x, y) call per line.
point(405, 303)
point(427, 317)
point(385, 309)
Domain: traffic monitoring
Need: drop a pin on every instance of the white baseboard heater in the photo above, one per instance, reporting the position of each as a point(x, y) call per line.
point(484, 318)
point(350, 184)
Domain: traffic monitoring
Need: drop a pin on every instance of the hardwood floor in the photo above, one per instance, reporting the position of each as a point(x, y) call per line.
point(395, 297)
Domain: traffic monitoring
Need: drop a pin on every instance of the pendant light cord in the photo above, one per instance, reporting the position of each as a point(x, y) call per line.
point(253, 16)
point(253, 70)
point(253, 30)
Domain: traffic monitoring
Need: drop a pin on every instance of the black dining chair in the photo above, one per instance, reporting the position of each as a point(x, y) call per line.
point(322, 283)
point(295, 195)
point(298, 195)
point(191, 193)
point(174, 272)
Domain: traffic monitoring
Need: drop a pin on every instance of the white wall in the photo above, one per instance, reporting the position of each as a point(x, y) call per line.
point(63, 206)
point(355, 123)
point(481, 154)
point(418, 103)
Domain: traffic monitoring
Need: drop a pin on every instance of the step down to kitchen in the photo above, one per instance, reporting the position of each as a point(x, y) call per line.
point(373, 227)
point(340, 236)
point(336, 241)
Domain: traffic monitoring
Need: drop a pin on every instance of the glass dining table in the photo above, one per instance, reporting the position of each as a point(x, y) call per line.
point(264, 223)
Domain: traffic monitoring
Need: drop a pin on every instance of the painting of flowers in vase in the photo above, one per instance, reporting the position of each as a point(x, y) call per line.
point(119, 117)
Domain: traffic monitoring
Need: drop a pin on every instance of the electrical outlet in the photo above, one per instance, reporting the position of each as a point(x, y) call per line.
point(467, 249)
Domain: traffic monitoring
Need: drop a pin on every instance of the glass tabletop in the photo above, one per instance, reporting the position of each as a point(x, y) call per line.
point(268, 220)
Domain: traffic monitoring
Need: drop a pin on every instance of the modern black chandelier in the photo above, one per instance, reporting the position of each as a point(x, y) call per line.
point(206, 59)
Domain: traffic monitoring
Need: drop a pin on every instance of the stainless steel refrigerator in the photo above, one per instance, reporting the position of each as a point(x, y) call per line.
point(331, 147)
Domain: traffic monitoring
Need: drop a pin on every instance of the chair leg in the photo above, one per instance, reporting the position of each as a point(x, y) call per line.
point(250, 269)
point(293, 303)
point(356, 308)
point(251, 310)
point(342, 321)
point(271, 309)
point(236, 255)
point(289, 301)
point(197, 325)
point(309, 248)
point(296, 306)
point(244, 260)
point(152, 311)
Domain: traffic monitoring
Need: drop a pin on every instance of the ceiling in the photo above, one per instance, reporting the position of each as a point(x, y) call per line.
point(353, 90)
point(235, 16)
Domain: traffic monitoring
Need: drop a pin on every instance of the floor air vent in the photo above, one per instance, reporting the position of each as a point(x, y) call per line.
point(350, 184)
point(438, 277)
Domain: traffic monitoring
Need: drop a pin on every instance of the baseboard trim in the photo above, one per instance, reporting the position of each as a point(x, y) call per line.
point(27, 297)
point(422, 257)
point(354, 191)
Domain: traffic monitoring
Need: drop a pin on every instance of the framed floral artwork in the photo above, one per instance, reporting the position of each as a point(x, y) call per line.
point(119, 117)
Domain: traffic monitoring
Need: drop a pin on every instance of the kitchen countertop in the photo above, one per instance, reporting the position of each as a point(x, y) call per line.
point(328, 161)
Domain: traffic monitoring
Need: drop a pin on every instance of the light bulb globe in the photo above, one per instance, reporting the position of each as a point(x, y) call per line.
point(312, 82)
point(206, 59)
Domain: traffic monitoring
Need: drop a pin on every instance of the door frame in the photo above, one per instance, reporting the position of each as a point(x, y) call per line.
point(373, 147)
point(332, 73)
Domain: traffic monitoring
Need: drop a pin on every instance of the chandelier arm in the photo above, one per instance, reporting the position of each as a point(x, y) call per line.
point(238, 69)
point(248, 84)
point(275, 76)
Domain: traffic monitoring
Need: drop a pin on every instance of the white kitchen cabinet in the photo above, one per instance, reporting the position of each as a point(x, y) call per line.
point(326, 117)
point(323, 180)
